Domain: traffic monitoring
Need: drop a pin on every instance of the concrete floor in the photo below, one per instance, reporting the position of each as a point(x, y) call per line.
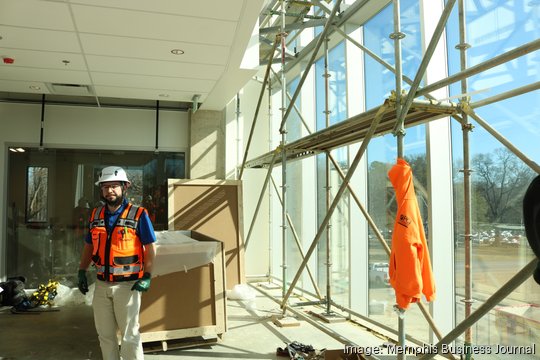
point(65, 334)
point(70, 334)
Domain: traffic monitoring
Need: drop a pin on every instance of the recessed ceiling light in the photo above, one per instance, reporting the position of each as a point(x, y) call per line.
point(163, 95)
point(12, 150)
point(34, 87)
point(177, 51)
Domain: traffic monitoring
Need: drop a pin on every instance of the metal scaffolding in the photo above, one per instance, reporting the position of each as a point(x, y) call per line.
point(466, 128)
point(396, 113)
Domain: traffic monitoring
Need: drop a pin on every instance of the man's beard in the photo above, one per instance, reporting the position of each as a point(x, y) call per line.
point(116, 202)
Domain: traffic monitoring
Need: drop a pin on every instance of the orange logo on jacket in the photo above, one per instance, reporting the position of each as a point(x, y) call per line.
point(404, 220)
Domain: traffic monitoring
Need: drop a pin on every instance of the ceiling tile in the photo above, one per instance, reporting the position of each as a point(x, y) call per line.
point(36, 14)
point(139, 24)
point(153, 67)
point(38, 39)
point(212, 9)
point(45, 60)
point(153, 82)
point(122, 48)
point(10, 72)
point(23, 86)
point(153, 49)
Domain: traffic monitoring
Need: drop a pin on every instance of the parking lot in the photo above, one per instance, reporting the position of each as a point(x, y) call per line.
point(492, 266)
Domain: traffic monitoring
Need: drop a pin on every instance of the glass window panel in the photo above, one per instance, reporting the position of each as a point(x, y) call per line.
point(498, 179)
point(382, 154)
point(294, 124)
point(337, 104)
point(293, 41)
point(382, 208)
point(294, 184)
point(380, 80)
point(37, 180)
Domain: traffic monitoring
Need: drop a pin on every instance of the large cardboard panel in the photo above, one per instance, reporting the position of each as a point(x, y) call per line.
point(212, 208)
point(188, 303)
point(179, 300)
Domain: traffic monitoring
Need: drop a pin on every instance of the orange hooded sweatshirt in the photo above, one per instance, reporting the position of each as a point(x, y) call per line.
point(410, 267)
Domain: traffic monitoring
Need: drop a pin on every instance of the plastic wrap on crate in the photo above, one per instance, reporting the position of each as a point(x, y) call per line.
point(177, 251)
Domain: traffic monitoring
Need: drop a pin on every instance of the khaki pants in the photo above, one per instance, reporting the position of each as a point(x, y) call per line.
point(116, 308)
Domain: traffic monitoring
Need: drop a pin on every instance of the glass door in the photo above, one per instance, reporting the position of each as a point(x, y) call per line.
point(51, 194)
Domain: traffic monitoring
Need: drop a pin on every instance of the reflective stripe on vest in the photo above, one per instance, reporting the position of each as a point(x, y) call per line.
point(130, 221)
point(124, 270)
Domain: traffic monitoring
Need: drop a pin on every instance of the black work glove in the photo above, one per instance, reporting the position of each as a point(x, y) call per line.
point(83, 281)
point(143, 284)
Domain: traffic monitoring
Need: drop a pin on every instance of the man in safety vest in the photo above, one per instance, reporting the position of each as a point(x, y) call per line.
point(120, 243)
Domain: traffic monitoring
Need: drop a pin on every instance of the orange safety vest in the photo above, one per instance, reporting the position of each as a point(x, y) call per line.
point(410, 267)
point(118, 255)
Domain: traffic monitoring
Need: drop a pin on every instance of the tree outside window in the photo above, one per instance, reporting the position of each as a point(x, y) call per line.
point(36, 194)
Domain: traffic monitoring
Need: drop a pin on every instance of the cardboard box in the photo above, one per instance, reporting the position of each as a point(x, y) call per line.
point(186, 304)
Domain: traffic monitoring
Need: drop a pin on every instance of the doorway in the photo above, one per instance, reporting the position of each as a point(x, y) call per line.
point(51, 194)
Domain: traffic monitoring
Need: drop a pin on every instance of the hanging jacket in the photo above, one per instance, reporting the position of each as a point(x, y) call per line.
point(118, 254)
point(410, 267)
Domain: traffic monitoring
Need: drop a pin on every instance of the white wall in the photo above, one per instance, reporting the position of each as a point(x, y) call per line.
point(207, 138)
point(84, 128)
point(237, 129)
point(441, 236)
point(359, 248)
point(93, 128)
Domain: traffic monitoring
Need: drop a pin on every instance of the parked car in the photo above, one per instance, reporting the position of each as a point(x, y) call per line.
point(378, 274)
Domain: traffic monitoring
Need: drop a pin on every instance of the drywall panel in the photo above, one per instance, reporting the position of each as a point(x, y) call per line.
point(257, 253)
point(207, 152)
point(93, 128)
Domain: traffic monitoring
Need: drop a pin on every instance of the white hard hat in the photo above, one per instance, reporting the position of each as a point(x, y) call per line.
point(112, 173)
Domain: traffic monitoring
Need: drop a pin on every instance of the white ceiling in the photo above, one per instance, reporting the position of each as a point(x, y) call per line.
point(122, 48)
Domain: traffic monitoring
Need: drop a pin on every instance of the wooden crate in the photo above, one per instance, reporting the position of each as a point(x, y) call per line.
point(186, 304)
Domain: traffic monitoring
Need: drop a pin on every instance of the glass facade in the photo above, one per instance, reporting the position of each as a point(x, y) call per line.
point(48, 217)
point(499, 178)
point(382, 154)
point(294, 181)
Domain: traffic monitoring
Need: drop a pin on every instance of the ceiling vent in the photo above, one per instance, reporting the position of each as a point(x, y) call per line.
point(70, 89)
